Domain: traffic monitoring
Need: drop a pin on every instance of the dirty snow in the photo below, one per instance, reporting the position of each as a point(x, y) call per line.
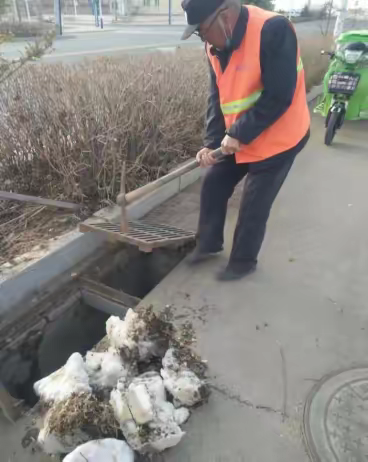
point(183, 384)
point(61, 384)
point(105, 369)
point(147, 419)
point(146, 400)
point(107, 450)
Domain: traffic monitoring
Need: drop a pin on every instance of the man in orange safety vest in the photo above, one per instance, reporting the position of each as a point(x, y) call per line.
point(257, 112)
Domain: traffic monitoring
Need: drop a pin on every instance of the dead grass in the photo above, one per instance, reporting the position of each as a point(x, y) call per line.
point(160, 330)
point(65, 131)
point(86, 412)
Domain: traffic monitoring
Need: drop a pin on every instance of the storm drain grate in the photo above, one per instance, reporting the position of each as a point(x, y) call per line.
point(144, 235)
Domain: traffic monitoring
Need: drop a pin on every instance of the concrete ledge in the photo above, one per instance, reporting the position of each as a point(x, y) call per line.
point(71, 249)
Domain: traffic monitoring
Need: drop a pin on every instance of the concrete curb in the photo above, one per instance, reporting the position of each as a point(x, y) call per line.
point(75, 247)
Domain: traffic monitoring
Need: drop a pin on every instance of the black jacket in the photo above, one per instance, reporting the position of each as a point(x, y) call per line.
point(278, 57)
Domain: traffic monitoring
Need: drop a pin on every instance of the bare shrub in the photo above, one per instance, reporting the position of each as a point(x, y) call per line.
point(26, 29)
point(66, 129)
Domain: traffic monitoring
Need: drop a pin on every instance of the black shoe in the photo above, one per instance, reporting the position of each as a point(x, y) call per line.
point(199, 256)
point(232, 274)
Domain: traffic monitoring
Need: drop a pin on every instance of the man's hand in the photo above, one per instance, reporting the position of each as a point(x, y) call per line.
point(230, 145)
point(204, 157)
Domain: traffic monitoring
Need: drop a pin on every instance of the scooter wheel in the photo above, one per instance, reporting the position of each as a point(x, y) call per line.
point(331, 127)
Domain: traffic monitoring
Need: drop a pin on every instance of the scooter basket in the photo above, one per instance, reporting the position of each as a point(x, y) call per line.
point(343, 82)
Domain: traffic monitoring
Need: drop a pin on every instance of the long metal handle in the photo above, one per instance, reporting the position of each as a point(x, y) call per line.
point(38, 200)
point(150, 187)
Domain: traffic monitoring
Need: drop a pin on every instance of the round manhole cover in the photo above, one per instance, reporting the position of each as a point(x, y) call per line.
point(336, 418)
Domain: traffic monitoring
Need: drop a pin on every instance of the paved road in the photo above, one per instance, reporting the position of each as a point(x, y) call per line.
point(132, 39)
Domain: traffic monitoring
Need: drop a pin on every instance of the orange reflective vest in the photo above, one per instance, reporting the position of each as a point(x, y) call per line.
point(240, 86)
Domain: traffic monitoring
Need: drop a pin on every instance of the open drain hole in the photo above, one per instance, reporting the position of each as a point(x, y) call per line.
point(137, 273)
point(81, 325)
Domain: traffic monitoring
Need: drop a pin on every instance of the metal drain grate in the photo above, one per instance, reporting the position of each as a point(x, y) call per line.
point(144, 235)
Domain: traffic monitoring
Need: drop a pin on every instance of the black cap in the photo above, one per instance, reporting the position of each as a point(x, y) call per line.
point(196, 12)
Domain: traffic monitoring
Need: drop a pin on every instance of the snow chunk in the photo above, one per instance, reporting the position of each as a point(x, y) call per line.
point(139, 402)
point(184, 385)
point(107, 450)
point(121, 332)
point(154, 385)
point(146, 400)
point(105, 369)
point(120, 406)
point(130, 334)
point(139, 399)
point(61, 384)
point(181, 415)
point(172, 436)
point(157, 436)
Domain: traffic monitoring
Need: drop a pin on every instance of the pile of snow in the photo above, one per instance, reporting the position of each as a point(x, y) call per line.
point(139, 403)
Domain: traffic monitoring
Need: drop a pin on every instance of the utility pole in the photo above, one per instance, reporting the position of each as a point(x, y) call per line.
point(27, 10)
point(101, 17)
point(58, 17)
point(15, 11)
point(341, 16)
point(170, 12)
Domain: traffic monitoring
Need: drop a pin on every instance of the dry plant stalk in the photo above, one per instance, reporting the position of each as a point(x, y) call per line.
point(86, 412)
point(161, 330)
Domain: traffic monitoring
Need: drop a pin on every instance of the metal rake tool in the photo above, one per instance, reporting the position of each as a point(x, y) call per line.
point(146, 236)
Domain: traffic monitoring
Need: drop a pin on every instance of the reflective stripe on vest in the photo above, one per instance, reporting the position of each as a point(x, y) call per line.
point(240, 105)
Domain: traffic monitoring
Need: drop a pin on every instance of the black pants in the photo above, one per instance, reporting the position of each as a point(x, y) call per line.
point(262, 184)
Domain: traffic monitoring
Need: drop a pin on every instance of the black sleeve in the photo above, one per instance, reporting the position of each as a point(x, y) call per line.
point(278, 57)
point(215, 123)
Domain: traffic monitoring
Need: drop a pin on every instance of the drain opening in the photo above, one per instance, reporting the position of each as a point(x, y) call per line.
point(42, 352)
point(82, 324)
point(137, 273)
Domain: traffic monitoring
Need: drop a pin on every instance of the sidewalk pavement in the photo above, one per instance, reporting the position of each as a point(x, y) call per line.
point(269, 338)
